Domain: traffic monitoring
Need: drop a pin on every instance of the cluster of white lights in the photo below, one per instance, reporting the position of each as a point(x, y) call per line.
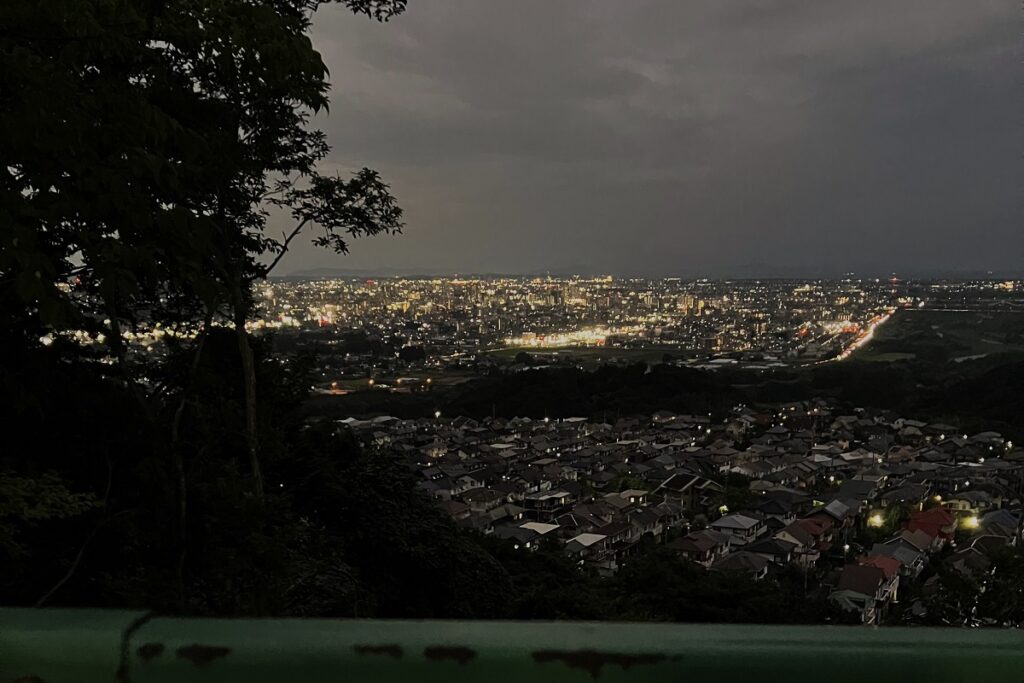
point(590, 336)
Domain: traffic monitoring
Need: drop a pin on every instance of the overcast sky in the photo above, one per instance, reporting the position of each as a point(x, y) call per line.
point(714, 137)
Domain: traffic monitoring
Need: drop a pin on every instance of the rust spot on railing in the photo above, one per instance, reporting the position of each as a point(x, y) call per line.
point(592, 661)
point(390, 650)
point(439, 653)
point(200, 655)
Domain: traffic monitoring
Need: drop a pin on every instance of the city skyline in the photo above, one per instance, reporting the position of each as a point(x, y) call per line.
point(756, 271)
point(682, 139)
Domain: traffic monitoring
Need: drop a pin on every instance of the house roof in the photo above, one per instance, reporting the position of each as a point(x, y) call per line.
point(1001, 516)
point(547, 495)
point(935, 515)
point(836, 509)
point(514, 532)
point(905, 554)
point(861, 579)
point(919, 539)
point(735, 521)
point(481, 495)
point(693, 543)
point(774, 506)
point(890, 566)
point(971, 559)
point(741, 561)
point(857, 488)
point(587, 540)
point(615, 528)
point(816, 526)
point(797, 531)
point(988, 544)
point(771, 546)
point(936, 522)
point(454, 507)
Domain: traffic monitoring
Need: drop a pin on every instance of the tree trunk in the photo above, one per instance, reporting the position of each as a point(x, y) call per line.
point(182, 485)
point(249, 385)
point(179, 462)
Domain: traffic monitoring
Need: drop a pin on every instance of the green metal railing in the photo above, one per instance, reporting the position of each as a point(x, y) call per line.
point(58, 646)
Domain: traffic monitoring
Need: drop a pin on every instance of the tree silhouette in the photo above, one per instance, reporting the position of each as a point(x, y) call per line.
point(146, 145)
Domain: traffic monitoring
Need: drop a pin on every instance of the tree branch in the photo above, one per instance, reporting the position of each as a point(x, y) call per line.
point(284, 246)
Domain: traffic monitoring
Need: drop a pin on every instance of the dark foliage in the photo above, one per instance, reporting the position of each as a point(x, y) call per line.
point(143, 143)
point(608, 391)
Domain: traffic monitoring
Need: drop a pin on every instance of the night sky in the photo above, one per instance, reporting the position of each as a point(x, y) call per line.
point(717, 138)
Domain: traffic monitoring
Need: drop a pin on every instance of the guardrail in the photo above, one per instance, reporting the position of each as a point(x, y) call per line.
point(85, 646)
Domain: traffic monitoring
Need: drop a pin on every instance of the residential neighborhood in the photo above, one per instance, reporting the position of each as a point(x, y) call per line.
point(866, 505)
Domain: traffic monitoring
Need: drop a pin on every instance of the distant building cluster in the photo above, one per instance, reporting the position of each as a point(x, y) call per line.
point(859, 501)
point(474, 324)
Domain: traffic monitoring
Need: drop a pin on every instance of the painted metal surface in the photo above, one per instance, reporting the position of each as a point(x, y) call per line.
point(58, 646)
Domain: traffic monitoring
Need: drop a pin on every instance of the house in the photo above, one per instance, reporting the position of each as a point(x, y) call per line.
point(779, 509)
point(648, 520)
point(939, 523)
point(586, 544)
point(860, 589)
point(482, 499)
point(773, 549)
point(455, 509)
point(634, 496)
point(863, 490)
point(594, 550)
point(507, 513)
point(970, 562)
point(912, 559)
point(741, 528)
point(805, 552)
point(890, 567)
point(908, 494)
point(546, 505)
point(969, 501)
point(837, 511)
point(626, 500)
point(821, 530)
point(691, 491)
point(521, 536)
point(742, 562)
point(703, 547)
point(539, 527)
point(797, 501)
point(616, 532)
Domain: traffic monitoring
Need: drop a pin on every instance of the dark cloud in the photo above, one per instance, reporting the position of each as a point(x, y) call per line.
point(668, 137)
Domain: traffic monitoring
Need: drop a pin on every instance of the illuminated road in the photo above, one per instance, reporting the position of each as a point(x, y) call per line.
point(865, 336)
